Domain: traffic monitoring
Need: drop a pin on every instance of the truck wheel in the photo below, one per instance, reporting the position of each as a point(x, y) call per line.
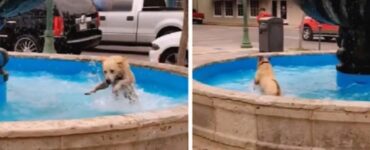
point(307, 34)
point(27, 43)
point(198, 21)
point(170, 56)
point(168, 31)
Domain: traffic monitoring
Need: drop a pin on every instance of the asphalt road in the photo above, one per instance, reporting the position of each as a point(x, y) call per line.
point(229, 37)
point(131, 52)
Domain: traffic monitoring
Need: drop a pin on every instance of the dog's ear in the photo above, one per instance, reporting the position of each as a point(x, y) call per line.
point(120, 64)
point(266, 58)
point(260, 58)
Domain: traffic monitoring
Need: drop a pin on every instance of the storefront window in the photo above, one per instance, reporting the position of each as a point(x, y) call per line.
point(218, 8)
point(254, 7)
point(240, 7)
point(229, 8)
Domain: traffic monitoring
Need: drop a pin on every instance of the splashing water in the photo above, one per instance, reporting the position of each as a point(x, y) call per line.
point(43, 96)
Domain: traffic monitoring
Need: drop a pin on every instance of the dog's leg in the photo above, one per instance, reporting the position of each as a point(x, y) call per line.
point(101, 86)
point(121, 84)
point(130, 93)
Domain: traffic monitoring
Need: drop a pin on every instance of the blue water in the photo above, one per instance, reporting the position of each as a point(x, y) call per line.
point(307, 76)
point(40, 89)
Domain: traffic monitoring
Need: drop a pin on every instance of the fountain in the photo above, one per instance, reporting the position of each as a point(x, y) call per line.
point(11, 8)
point(325, 102)
point(42, 105)
point(46, 107)
point(353, 18)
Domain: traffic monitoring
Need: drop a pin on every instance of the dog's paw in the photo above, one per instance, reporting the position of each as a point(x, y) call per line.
point(89, 93)
point(116, 89)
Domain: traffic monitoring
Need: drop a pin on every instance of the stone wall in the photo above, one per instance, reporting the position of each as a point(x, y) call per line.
point(167, 129)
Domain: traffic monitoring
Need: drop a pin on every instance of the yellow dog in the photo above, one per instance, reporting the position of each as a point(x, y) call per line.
point(117, 73)
point(265, 78)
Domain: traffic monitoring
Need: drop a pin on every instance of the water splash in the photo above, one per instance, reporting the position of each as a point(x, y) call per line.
point(42, 96)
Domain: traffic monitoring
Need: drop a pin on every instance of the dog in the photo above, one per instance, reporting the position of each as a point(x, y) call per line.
point(265, 78)
point(117, 73)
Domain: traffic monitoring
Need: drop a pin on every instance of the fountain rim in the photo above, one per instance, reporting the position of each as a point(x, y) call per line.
point(163, 67)
point(50, 128)
point(275, 101)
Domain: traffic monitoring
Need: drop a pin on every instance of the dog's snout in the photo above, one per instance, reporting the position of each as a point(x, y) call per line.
point(108, 81)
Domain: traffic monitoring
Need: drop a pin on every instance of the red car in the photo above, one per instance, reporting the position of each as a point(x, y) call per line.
point(311, 30)
point(197, 17)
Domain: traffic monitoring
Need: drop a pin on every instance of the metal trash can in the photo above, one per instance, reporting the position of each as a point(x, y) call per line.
point(4, 58)
point(271, 34)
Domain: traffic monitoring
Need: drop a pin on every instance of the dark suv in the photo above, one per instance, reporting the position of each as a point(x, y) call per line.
point(75, 26)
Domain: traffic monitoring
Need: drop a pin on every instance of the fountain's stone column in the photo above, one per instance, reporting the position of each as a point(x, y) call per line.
point(353, 17)
point(4, 58)
point(354, 51)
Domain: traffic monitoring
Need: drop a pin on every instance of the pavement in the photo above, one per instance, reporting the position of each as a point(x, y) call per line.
point(130, 52)
point(210, 41)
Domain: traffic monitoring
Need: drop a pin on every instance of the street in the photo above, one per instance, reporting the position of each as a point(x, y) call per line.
point(229, 37)
point(210, 41)
point(131, 52)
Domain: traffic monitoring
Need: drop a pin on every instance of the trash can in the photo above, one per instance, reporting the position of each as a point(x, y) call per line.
point(4, 58)
point(271, 34)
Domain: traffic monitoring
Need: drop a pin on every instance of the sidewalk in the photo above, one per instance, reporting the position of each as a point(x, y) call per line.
point(211, 42)
point(206, 54)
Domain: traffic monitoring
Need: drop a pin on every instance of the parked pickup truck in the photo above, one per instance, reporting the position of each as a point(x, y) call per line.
point(138, 22)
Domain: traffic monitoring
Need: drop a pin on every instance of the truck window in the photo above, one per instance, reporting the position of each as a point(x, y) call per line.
point(122, 5)
point(114, 5)
point(154, 4)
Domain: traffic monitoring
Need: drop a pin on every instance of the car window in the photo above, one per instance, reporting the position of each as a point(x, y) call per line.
point(114, 5)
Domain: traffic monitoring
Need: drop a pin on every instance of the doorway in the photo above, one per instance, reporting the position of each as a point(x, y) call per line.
point(280, 9)
point(274, 8)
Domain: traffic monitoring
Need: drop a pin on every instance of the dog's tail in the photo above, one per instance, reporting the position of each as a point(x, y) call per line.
point(278, 88)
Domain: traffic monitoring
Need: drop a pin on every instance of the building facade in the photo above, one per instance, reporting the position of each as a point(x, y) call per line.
point(230, 12)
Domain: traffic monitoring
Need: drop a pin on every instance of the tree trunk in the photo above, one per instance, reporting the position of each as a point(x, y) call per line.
point(181, 59)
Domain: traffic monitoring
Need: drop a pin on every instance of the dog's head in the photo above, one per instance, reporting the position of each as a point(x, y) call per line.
point(113, 68)
point(262, 60)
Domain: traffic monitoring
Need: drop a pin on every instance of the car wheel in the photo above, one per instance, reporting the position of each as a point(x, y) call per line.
point(27, 43)
point(339, 41)
point(328, 38)
point(307, 34)
point(170, 57)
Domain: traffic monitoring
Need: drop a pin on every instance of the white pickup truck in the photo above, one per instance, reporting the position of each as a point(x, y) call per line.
point(138, 22)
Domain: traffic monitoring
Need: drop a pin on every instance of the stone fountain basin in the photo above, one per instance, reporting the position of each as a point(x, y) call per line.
point(225, 119)
point(161, 129)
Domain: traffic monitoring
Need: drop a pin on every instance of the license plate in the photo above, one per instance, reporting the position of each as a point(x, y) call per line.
point(83, 26)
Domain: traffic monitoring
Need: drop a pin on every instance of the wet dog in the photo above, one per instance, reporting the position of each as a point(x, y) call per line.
point(265, 78)
point(117, 72)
